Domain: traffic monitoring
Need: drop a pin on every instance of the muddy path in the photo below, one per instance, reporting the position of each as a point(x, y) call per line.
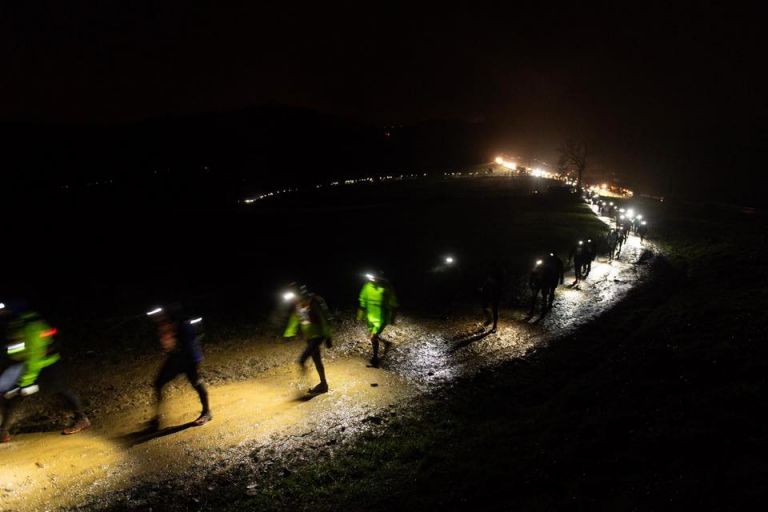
point(47, 471)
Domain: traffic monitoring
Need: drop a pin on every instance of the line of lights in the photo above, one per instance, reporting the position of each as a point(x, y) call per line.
point(620, 214)
point(350, 181)
point(536, 172)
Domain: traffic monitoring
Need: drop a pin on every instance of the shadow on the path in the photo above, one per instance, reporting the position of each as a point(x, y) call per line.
point(147, 434)
point(468, 340)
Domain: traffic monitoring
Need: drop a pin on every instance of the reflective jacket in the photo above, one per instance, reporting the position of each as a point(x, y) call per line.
point(313, 319)
point(32, 344)
point(378, 303)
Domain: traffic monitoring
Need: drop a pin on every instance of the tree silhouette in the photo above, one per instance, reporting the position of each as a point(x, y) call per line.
point(573, 156)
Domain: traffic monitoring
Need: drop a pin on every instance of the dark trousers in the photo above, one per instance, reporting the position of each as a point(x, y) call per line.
point(491, 309)
point(51, 381)
point(175, 365)
point(313, 351)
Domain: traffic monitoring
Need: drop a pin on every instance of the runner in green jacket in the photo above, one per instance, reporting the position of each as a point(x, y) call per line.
point(378, 304)
point(35, 365)
point(309, 314)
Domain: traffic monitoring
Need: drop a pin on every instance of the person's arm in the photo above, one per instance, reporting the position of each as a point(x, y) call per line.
point(363, 302)
point(293, 326)
point(323, 315)
point(393, 305)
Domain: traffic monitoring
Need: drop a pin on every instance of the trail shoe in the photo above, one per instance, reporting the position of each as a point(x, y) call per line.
point(5, 437)
point(320, 388)
point(203, 419)
point(374, 362)
point(80, 425)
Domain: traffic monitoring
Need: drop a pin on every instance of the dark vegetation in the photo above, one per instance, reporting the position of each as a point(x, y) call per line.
point(657, 405)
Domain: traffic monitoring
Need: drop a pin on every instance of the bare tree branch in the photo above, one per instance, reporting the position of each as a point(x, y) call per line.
point(573, 157)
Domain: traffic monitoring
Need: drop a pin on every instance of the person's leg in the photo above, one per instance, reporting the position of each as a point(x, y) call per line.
point(72, 402)
point(375, 345)
point(8, 379)
point(75, 405)
point(495, 307)
point(533, 301)
point(8, 408)
point(167, 373)
point(53, 380)
point(487, 313)
point(10, 376)
point(306, 354)
point(318, 360)
point(193, 375)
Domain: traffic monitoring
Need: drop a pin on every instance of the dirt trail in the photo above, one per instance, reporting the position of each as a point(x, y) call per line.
point(47, 471)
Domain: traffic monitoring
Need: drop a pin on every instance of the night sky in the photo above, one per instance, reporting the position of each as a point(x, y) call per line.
point(661, 93)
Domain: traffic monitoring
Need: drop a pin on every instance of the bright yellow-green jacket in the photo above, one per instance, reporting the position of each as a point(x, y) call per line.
point(312, 319)
point(378, 303)
point(31, 340)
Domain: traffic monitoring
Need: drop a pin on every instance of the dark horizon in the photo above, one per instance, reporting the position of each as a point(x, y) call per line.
point(669, 98)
